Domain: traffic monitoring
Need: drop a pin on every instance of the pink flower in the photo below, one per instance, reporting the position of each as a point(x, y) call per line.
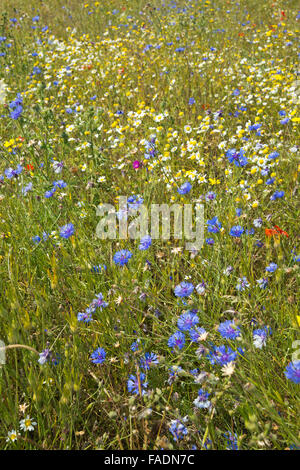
point(137, 164)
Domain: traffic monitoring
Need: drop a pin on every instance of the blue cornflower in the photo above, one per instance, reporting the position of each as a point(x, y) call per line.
point(134, 202)
point(271, 268)
point(188, 320)
point(210, 196)
point(145, 243)
point(229, 330)
point(257, 222)
point(284, 121)
point(177, 340)
point(236, 231)
point(135, 345)
point(231, 441)
point(174, 373)
point(85, 316)
point(192, 101)
point(98, 356)
point(262, 283)
point(99, 268)
point(99, 302)
point(10, 172)
point(67, 231)
point(210, 241)
point(59, 184)
point(27, 188)
point(202, 400)
point(16, 112)
point(292, 372)
point(50, 193)
point(222, 355)
point(184, 289)
point(148, 360)
point(270, 181)
point(213, 225)
point(197, 334)
point(273, 155)
point(242, 283)
point(185, 188)
point(238, 158)
point(122, 257)
point(277, 195)
point(36, 239)
point(45, 236)
point(260, 336)
point(45, 356)
point(178, 430)
point(134, 382)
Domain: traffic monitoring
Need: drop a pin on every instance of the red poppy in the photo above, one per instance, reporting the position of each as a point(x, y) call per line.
point(29, 167)
point(271, 232)
point(279, 230)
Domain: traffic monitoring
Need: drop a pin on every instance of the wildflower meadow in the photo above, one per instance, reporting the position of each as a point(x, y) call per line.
point(149, 225)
